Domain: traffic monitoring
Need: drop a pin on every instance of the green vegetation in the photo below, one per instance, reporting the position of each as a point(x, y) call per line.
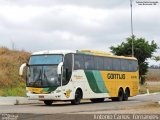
point(19, 90)
point(156, 58)
point(10, 82)
point(142, 50)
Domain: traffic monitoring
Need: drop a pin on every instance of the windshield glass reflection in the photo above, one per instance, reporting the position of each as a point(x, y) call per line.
point(42, 76)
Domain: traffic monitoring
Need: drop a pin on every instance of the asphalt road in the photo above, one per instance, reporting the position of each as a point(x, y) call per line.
point(59, 109)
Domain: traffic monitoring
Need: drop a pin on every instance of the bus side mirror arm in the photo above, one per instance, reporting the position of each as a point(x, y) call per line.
point(22, 68)
point(59, 68)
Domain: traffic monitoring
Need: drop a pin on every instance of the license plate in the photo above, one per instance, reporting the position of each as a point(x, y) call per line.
point(41, 97)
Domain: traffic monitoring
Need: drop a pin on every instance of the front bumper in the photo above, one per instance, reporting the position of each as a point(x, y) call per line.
point(42, 97)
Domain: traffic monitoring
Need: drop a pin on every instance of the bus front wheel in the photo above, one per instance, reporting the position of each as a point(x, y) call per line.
point(48, 102)
point(78, 97)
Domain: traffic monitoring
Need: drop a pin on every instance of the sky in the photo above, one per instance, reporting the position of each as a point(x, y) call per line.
point(35, 25)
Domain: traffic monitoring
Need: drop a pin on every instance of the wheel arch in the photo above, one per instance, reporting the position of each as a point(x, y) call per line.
point(117, 91)
point(121, 88)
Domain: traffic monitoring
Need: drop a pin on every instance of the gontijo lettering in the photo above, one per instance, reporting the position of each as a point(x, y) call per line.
point(115, 76)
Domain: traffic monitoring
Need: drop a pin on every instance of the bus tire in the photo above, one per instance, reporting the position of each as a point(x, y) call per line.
point(114, 98)
point(78, 97)
point(48, 102)
point(97, 100)
point(120, 95)
point(126, 94)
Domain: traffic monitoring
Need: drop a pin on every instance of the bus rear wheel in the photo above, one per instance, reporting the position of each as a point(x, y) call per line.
point(126, 95)
point(78, 97)
point(120, 96)
point(97, 100)
point(48, 102)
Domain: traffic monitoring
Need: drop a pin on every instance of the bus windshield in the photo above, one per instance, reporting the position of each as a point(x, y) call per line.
point(42, 71)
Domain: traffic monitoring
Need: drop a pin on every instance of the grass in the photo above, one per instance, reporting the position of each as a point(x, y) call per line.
point(10, 61)
point(153, 75)
point(10, 82)
point(19, 90)
point(151, 88)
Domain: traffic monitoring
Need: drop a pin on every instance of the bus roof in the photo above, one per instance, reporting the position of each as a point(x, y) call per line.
point(53, 52)
point(87, 52)
point(102, 53)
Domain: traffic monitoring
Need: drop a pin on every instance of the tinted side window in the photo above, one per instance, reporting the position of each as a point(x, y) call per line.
point(98, 61)
point(78, 62)
point(133, 65)
point(89, 62)
point(107, 63)
point(124, 65)
point(116, 64)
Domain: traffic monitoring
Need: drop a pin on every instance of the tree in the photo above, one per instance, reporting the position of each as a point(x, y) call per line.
point(156, 58)
point(142, 51)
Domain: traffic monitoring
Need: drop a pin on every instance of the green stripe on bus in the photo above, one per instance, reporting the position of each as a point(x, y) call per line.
point(49, 89)
point(100, 82)
point(92, 81)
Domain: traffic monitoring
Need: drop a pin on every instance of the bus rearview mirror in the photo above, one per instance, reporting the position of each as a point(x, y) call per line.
point(22, 68)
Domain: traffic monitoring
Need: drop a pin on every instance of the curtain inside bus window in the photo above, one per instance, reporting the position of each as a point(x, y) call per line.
point(107, 63)
point(89, 62)
point(78, 62)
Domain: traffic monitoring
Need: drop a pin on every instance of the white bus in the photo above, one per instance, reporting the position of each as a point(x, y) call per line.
point(60, 75)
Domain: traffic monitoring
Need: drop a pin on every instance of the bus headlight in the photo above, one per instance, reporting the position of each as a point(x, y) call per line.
point(58, 91)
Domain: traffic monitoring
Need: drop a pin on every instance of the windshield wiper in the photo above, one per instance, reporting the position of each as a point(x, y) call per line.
point(39, 78)
point(45, 76)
